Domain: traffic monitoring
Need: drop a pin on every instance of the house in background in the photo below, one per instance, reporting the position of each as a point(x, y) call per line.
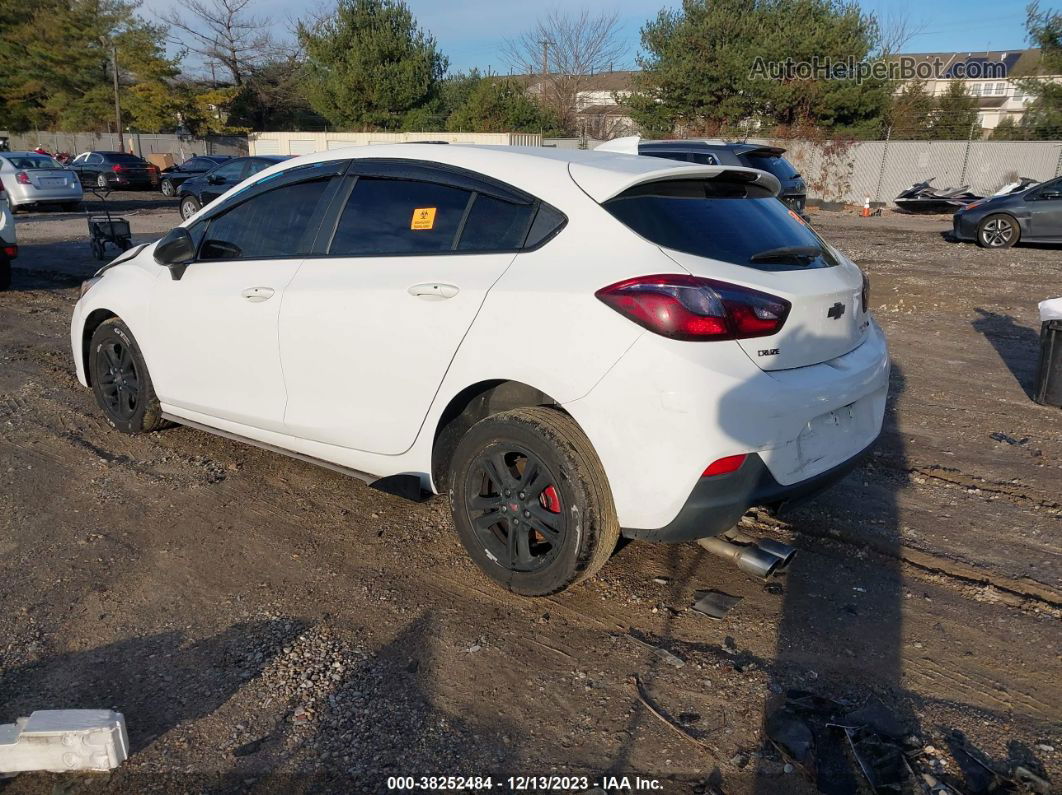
point(993, 81)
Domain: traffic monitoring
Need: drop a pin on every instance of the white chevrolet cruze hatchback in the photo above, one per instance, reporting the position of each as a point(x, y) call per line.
point(573, 345)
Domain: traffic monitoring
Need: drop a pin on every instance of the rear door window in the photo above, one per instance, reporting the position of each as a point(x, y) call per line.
point(494, 224)
point(395, 216)
point(277, 223)
point(230, 171)
point(728, 220)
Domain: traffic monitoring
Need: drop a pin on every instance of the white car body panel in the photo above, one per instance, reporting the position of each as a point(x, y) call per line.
point(358, 372)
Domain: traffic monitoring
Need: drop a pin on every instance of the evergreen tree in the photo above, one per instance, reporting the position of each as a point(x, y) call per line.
point(955, 115)
point(910, 112)
point(1042, 119)
point(369, 64)
point(501, 105)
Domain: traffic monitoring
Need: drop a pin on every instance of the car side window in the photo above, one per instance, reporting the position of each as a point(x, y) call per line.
point(83, 157)
point(399, 216)
point(229, 170)
point(277, 223)
point(256, 166)
point(1049, 190)
point(95, 159)
point(494, 224)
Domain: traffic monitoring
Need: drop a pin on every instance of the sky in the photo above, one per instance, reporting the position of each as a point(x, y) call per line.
point(471, 33)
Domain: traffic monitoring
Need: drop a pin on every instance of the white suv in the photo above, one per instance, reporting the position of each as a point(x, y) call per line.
point(573, 345)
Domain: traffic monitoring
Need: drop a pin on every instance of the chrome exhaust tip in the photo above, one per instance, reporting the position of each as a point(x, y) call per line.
point(750, 558)
point(783, 552)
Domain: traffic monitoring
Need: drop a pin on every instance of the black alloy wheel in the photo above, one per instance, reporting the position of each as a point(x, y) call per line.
point(515, 508)
point(119, 380)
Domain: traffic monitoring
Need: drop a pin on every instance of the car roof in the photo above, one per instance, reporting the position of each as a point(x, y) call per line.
point(26, 153)
point(541, 171)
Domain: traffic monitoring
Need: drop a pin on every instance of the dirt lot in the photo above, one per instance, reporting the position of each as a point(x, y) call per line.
point(266, 625)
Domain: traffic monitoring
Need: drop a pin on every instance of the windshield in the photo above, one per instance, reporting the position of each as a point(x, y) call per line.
point(30, 162)
point(725, 220)
point(773, 164)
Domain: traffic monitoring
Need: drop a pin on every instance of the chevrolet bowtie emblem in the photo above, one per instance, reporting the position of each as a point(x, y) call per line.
point(835, 311)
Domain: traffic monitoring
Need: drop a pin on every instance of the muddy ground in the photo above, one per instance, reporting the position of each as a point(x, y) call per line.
point(266, 625)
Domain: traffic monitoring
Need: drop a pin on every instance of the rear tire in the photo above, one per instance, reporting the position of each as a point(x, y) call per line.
point(189, 207)
point(997, 231)
point(531, 502)
point(167, 188)
point(72, 207)
point(120, 380)
point(5, 273)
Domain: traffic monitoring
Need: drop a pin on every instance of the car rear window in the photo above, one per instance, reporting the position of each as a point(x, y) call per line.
point(30, 162)
point(772, 164)
point(121, 157)
point(728, 220)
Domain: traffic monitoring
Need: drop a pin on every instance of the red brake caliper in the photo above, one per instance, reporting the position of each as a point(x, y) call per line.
point(550, 499)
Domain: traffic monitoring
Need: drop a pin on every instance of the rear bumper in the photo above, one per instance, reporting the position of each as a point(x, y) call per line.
point(717, 503)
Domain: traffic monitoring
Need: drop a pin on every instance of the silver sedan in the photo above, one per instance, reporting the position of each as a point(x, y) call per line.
point(30, 179)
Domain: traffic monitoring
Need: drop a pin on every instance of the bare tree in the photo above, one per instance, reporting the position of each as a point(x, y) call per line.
point(560, 53)
point(895, 30)
point(224, 32)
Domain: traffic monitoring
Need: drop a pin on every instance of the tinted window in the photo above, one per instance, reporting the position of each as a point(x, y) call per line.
point(272, 224)
point(121, 157)
point(95, 159)
point(547, 222)
point(724, 220)
point(259, 165)
point(387, 216)
point(229, 170)
point(701, 158)
point(773, 164)
point(495, 225)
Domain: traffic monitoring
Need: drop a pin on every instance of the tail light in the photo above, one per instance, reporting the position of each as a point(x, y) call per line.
point(864, 295)
point(22, 178)
point(685, 307)
point(11, 251)
point(116, 168)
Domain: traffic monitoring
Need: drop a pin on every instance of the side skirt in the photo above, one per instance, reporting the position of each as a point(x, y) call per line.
point(407, 486)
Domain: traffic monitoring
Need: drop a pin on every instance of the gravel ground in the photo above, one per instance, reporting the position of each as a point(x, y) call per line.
point(265, 625)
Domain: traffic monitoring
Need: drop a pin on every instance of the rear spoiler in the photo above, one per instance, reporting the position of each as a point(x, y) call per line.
point(605, 182)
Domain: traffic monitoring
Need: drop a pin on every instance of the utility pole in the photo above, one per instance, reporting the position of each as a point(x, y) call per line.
point(545, 59)
point(117, 104)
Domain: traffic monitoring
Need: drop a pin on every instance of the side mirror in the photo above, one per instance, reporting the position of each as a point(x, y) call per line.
point(214, 179)
point(176, 251)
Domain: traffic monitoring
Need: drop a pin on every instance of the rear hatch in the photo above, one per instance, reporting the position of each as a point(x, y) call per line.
point(730, 230)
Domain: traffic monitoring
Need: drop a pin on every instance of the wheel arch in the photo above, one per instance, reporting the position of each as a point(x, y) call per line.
point(469, 406)
point(95, 319)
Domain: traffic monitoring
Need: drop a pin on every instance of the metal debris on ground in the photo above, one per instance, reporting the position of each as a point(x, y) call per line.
point(715, 604)
point(999, 436)
point(64, 740)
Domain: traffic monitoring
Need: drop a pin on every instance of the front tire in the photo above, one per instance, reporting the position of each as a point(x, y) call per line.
point(167, 188)
point(531, 502)
point(120, 380)
point(189, 207)
point(997, 231)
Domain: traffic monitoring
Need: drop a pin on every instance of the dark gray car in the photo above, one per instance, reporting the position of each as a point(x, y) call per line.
point(1032, 216)
point(794, 191)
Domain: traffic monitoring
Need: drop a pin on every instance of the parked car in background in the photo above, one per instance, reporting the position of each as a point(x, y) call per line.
point(174, 176)
point(199, 191)
point(115, 170)
point(8, 241)
point(550, 337)
point(793, 193)
point(1033, 215)
point(31, 179)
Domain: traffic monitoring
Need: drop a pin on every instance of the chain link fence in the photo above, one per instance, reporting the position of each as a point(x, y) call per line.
point(181, 147)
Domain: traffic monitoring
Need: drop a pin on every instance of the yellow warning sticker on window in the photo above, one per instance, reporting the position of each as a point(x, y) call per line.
point(423, 218)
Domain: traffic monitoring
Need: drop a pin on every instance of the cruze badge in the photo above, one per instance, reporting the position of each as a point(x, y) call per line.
point(835, 311)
